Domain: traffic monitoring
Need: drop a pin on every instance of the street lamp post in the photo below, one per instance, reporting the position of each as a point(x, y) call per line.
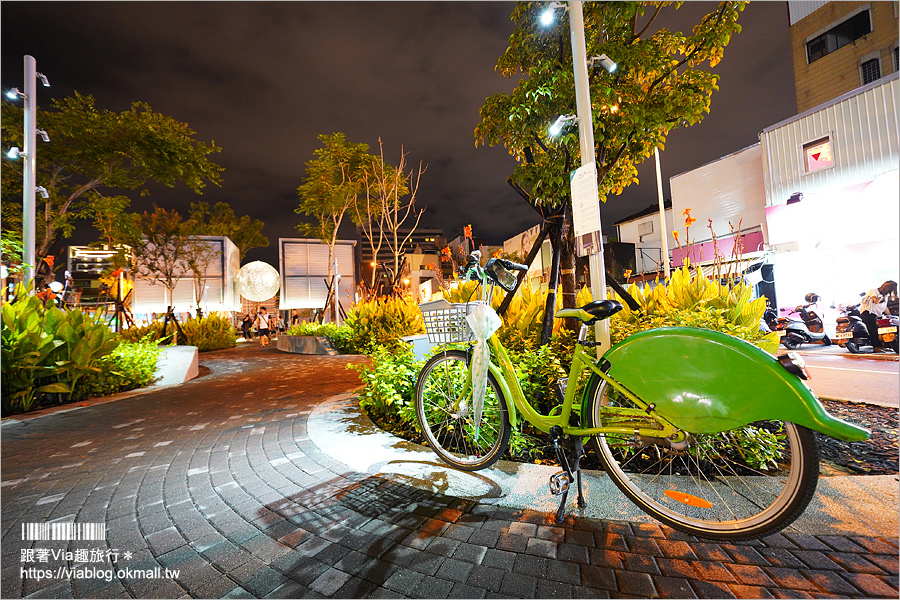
point(586, 140)
point(29, 168)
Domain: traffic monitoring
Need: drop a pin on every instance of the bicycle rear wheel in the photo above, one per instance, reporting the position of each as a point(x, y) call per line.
point(447, 421)
point(740, 484)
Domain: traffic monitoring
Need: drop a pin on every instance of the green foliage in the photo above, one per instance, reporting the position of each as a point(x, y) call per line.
point(339, 335)
point(131, 365)
point(246, 233)
point(390, 386)
point(96, 152)
point(663, 81)
point(47, 350)
point(693, 300)
point(212, 332)
point(382, 322)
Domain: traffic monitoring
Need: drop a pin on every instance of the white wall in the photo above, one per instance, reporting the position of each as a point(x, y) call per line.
point(304, 269)
point(647, 247)
point(730, 189)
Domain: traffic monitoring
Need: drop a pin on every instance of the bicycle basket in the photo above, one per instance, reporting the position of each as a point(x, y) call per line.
point(448, 325)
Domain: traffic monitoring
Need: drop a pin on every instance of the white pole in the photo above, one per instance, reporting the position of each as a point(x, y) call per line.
point(29, 168)
point(662, 216)
point(586, 139)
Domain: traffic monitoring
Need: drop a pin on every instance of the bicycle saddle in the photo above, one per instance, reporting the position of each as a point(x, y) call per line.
point(591, 312)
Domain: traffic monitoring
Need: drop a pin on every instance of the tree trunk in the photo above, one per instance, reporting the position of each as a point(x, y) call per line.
point(550, 306)
point(567, 266)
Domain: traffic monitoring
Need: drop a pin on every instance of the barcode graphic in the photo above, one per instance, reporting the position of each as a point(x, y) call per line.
point(63, 531)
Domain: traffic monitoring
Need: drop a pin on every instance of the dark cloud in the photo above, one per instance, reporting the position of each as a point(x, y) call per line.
point(263, 79)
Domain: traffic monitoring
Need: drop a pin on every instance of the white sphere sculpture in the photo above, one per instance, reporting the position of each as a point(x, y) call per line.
point(257, 281)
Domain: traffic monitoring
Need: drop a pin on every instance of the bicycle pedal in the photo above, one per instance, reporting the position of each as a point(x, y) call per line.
point(559, 483)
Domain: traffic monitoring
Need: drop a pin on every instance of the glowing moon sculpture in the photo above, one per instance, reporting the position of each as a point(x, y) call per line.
point(257, 281)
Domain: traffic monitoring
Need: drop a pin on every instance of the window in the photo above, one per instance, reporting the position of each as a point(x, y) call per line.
point(870, 70)
point(839, 36)
point(818, 155)
point(896, 55)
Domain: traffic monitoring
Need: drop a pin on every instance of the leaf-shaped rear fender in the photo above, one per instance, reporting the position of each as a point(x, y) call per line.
point(705, 381)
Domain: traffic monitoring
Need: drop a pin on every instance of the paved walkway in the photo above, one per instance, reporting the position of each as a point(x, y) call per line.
point(226, 480)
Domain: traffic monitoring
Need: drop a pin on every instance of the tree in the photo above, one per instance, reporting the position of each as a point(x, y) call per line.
point(662, 82)
point(159, 248)
point(95, 151)
point(334, 182)
point(246, 233)
point(387, 208)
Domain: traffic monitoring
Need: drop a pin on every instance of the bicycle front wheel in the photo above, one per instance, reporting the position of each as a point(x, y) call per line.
point(740, 484)
point(446, 416)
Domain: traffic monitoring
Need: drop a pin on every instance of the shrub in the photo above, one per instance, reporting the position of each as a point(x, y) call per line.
point(131, 365)
point(212, 332)
point(390, 387)
point(338, 335)
point(693, 300)
point(47, 350)
point(382, 322)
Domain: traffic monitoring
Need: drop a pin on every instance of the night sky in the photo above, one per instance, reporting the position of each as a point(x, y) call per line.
point(264, 79)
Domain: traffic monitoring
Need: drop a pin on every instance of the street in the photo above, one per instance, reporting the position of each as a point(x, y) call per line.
point(838, 375)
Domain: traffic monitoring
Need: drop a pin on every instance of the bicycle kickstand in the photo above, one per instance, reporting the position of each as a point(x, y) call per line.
point(559, 482)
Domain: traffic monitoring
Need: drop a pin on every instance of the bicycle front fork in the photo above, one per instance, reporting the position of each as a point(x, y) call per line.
point(559, 482)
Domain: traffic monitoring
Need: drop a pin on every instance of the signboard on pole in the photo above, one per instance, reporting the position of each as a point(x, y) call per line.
point(586, 210)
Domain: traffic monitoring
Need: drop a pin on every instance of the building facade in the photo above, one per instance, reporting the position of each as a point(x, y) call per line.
point(840, 46)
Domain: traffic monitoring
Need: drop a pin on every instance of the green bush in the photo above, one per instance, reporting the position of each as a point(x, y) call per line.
point(212, 332)
point(390, 387)
point(47, 350)
point(131, 365)
point(690, 299)
point(338, 335)
point(382, 322)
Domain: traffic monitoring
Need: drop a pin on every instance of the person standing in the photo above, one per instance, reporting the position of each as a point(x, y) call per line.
point(262, 326)
point(246, 324)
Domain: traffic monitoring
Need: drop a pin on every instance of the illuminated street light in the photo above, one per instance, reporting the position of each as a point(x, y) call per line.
point(558, 125)
point(604, 61)
point(14, 94)
point(14, 153)
point(549, 14)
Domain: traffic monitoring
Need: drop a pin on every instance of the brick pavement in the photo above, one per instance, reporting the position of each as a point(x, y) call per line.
point(218, 480)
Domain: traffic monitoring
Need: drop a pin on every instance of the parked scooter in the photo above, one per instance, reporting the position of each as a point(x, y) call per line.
point(852, 333)
point(887, 331)
point(809, 330)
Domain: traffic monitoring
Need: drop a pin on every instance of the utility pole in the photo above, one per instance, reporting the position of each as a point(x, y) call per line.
point(586, 139)
point(29, 168)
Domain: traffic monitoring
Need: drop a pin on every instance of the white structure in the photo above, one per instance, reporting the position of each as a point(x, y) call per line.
point(730, 191)
point(218, 293)
point(304, 272)
point(643, 230)
point(539, 269)
point(832, 195)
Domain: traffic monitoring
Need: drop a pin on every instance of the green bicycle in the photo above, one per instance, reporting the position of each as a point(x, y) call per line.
point(666, 412)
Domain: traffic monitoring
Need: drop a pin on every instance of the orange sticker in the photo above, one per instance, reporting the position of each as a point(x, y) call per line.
point(687, 499)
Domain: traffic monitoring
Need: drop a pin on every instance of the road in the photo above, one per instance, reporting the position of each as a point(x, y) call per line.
point(853, 378)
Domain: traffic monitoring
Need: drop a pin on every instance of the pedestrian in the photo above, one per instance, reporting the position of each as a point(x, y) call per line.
point(246, 324)
point(262, 326)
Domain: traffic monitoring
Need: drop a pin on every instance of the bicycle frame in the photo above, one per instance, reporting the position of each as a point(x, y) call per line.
point(627, 421)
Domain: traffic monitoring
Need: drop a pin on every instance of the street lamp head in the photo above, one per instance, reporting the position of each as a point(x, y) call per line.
point(14, 94)
point(43, 79)
point(43, 135)
point(14, 153)
point(604, 61)
point(549, 14)
point(42, 191)
point(560, 122)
